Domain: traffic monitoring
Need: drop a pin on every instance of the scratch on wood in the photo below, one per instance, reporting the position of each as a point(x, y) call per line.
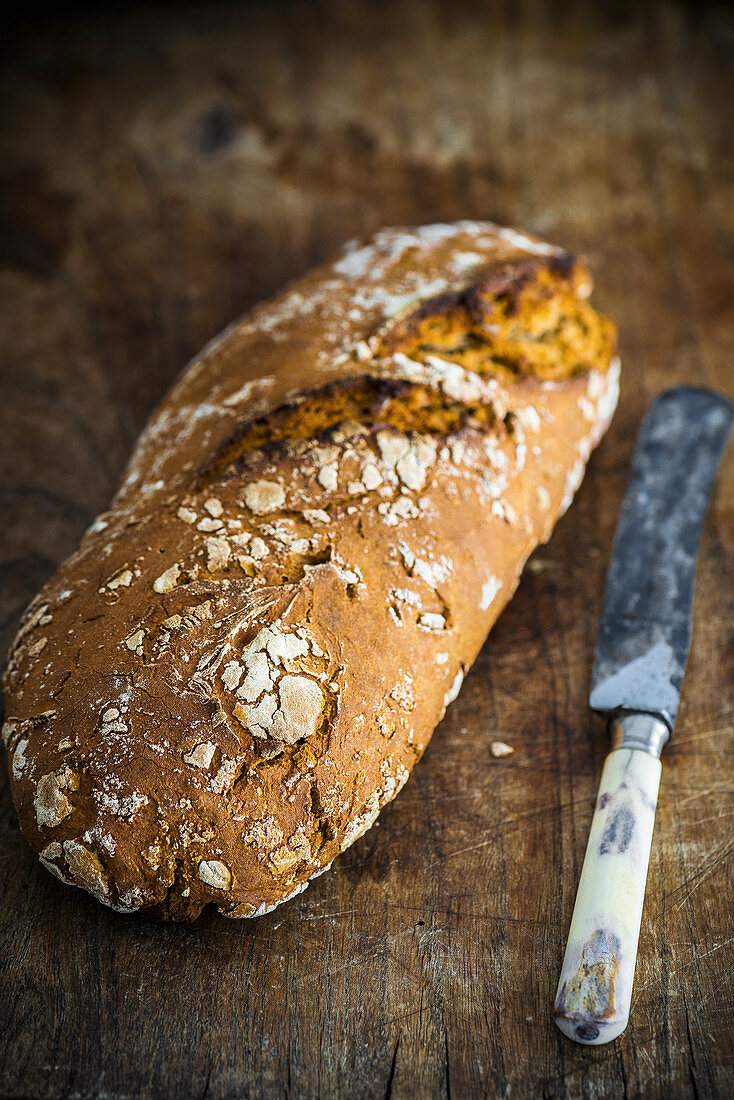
point(391, 1078)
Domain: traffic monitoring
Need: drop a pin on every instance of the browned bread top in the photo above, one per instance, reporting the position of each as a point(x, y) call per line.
point(247, 654)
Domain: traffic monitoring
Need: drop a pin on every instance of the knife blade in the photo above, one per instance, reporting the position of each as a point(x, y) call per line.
point(641, 653)
point(645, 627)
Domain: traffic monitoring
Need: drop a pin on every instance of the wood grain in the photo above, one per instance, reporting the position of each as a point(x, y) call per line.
point(162, 171)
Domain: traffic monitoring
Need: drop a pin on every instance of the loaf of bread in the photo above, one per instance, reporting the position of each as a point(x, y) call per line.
point(248, 653)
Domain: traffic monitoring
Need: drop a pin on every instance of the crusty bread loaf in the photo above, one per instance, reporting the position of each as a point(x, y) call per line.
point(239, 667)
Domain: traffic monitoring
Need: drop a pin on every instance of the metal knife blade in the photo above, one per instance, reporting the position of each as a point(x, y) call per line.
point(645, 627)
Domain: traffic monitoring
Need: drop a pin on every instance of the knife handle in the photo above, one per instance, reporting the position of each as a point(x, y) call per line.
point(594, 993)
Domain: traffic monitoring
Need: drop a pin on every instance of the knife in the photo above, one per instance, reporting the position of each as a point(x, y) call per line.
point(641, 652)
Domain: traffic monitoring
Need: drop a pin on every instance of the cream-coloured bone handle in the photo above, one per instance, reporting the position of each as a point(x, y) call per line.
point(592, 1003)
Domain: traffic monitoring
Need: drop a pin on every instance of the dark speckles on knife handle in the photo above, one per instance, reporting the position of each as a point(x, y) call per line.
point(588, 997)
point(620, 822)
point(618, 831)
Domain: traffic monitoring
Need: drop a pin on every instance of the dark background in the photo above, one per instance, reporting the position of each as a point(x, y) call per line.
point(161, 169)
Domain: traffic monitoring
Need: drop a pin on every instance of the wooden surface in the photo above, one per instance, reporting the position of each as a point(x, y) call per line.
point(159, 175)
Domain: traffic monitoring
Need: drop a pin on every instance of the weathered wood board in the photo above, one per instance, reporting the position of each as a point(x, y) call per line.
point(160, 172)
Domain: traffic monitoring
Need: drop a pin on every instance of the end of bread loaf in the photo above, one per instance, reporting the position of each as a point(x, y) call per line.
point(245, 658)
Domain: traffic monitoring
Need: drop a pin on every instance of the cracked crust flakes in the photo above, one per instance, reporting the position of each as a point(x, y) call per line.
point(51, 803)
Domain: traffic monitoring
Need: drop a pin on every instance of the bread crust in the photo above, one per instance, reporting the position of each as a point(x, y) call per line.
point(248, 653)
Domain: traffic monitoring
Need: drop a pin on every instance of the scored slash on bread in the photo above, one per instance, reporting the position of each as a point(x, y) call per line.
point(217, 693)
